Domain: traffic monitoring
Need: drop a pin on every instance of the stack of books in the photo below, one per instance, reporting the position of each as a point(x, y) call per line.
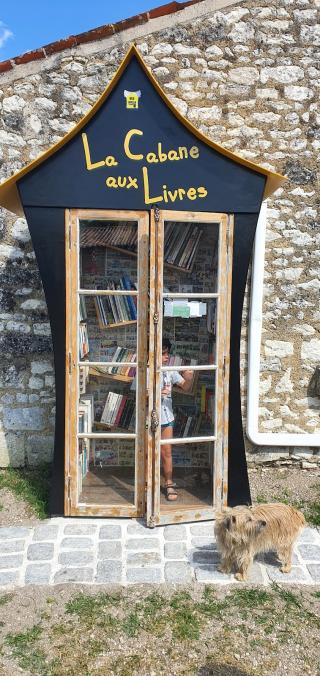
point(122, 354)
point(181, 242)
point(186, 425)
point(207, 403)
point(123, 235)
point(83, 341)
point(117, 309)
point(119, 411)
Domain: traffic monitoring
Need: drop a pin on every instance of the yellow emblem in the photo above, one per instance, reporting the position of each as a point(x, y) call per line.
point(132, 98)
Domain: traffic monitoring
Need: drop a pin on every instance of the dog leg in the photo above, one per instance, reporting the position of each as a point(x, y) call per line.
point(225, 565)
point(243, 567)
point(285, 556)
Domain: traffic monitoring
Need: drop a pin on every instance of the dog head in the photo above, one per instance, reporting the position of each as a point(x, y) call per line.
point(239, 524)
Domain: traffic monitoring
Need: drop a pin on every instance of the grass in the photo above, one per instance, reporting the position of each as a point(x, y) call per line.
point(5, 598)
point(23, 649)
point(31, 485)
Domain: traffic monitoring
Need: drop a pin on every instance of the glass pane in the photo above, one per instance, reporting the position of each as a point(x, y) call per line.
point(187, 412)
point(190, 325)
point(108, 254)
point(100, 337)
point(110, 400)
point(192, 471)
point(190, 257)
point(106, 471)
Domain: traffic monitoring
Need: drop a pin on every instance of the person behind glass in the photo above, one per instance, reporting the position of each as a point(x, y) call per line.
point(169, 378)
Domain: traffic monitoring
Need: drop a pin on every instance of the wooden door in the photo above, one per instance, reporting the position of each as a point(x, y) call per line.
point(190, 297)
point(106, 355)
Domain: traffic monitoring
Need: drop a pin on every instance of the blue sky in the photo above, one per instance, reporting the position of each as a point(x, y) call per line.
point(29, 24)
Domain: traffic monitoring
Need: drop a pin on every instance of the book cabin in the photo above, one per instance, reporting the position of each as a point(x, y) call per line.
point(143, 228)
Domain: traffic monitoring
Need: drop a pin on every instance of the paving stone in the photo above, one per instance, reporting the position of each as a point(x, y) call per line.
point(142, 543)
point(110, 550)
point(144, 575)
point(143, 558)
point(309, 535)
point(177, 572)
point(110, 533)
point(74, 575)
point(45, 532)
point(8, 577)
point(43, 550)
point(77, 543)
point(271, 559)
point(38, 573)
point(211, 574)
point(14, 533)
point(309, 552)
point(297, 574)
point(175, 532)
point(12, 546)
point(314, 570)
point(108, 571)
point(204, 542)
point(202, 529)
point(13, 561)
point(255, 574)
point(141, 529)
point(175, 550)
point(78, 558)
point(205, 556)
point(80, 529)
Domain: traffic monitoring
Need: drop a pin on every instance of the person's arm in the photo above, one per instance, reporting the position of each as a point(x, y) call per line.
point(187, 379)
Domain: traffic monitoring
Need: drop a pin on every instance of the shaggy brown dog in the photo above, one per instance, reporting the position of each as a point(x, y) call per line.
point(243, 531)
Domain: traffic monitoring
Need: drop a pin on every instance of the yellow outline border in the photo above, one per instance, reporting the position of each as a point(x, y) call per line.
point(9, 195)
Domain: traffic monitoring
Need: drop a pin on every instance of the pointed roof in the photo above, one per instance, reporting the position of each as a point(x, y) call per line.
point(9, 194)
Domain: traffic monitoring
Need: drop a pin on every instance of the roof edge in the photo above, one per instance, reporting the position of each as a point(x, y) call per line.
point(9, 196)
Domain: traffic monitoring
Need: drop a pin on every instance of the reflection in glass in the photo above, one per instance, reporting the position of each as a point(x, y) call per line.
point(193, 476)
point(106, 471)
point(190, 257)
point(108, 257)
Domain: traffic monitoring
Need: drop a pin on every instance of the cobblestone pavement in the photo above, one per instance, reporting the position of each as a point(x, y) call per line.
point(125, 551)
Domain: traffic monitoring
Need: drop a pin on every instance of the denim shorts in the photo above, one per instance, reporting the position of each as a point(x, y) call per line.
point(169, 424)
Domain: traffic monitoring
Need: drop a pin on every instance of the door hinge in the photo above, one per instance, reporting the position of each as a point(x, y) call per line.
point(154, 421)
point(69, 363)
point(156, 318)
point(157, 214)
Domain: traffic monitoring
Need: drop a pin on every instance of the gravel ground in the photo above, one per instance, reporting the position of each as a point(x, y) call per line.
point(15, 511)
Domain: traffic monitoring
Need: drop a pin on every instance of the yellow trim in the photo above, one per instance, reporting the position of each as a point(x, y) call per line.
point(9, 196)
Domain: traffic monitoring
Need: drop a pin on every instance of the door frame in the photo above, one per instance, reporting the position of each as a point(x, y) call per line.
point(176, 513)
point(72, 250)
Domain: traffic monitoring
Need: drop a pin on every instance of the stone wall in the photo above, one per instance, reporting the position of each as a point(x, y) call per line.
point(246, 76)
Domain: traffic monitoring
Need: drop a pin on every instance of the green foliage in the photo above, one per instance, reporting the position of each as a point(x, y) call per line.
point(250, 598)
point(31, 485)
point(91, 608)
point(5, 598)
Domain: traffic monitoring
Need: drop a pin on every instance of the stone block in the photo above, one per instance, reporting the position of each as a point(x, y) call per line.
point(144, 575)
point(8, 577)
point(78, 558)
point(203, 542)
point(297, 575)
point(175, 550)
point(314, 570)
point(39, 449)
point(175, 532)
point(14, 533)
point(309, 535)
point(143, 558)
point(108, 571)
point(138, 528)
point(11, 561)
point(205, 529)
point(110, 550)
point(205, 556)
point(12, 546)
point(211, 574)
point(24, 419)
point(77, 543)
point(40, 551)
point(11, 449)
point(73, 575)
point(309, 552)
point(38, 573)
point(110, 533)
point(80, 529)
point(142, 543)
point(177, 572)
point(45, 532)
